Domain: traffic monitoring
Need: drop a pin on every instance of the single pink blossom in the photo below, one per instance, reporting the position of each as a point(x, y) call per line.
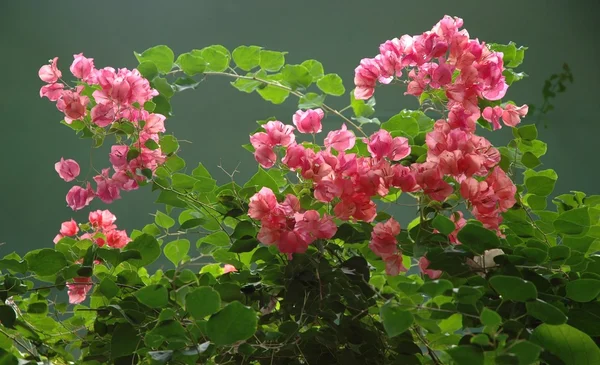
point(103, 114)
point(82, 67)
point(227, 268)
point(341, 139)
point(50, 73)
point(424, 264)
point(68, 170)
point(512, 114)
point(102, 220)
point(493, 115)
point(308, 121)
point(117, 238)
point(78, 197)
point(262, 203)
point(69, 228)
point(79, 289)
point(52, 91)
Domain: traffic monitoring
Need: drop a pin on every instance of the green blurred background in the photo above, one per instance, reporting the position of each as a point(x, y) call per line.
point(217, 118)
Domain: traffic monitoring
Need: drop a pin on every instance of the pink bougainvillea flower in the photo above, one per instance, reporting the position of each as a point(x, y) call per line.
point(69, 228)
point(117, 238)
point(341, 139)
point(279, 134)
point(79, 289)
point(102, 220)
point(381, 144)
point(106, 189)
point(493, 115)
point(394, 265)
point(424, 264)
point(227, 268)
point(383, 238)
point(365, 78)
point(512, 114)
point(262, 204)
point(78, 197)
point(103, 114)
point(82, 67)
point(52, 91)
point(265, 156)
point(68, 170)
point(50, 73)
point(308, 121)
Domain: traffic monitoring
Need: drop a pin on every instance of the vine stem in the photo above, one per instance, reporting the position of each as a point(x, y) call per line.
point(291, 91)
point(15, 339)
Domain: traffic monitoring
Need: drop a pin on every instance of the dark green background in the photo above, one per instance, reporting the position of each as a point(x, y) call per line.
point(217, 118)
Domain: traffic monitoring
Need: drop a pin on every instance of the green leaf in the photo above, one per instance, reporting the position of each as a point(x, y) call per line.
point(233, 323)
point(19, 266)
point(466, 355)
point(395, 320)
point(169, 144)
point(183, 181)
point(546, 312)
point(490, 318)
point(527, 132)
point(216, 239)
point(151, 145)
point(262, 179)
point(569, 344)
point(147, 246)
point(274, 94)
point(527, 352)
point(108, 288)
point(7, 316)
point(434, 288)
point(271, 60)
point(202, 302)
point(246, 57)
point(154, 296)
point(191, 65)
point(402, 124)
point(216, 57)
point(360, 107)
point(163, 220)
point(161, 56)
point(583, 290)
point(148, 70)
point(6, 358)
point(513, 288)
point(575, 222)
point(175, 163)
point(540, 182)
point(315, 69)
point(331, 84)
point(244, 245)
point(310, 101)
point(296, 76)
point(443, 224)
point(477, 238)
point(177, 250)
point(132, 154)
point(124, 340)
point(164, 88)
point(170, 198)
point(529, 160)
point(46, 261)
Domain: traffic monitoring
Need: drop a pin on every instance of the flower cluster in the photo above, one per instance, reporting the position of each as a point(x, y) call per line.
point(384, 244)
point(286, 225)
point(111, 97)
point(101, 230)
point(467, 71)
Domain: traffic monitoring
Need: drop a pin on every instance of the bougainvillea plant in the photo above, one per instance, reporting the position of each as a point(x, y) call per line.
point(303, 263)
